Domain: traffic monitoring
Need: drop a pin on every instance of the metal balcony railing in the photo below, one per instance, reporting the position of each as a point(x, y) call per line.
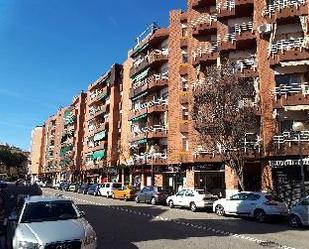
point(290, 138)
point(248, 63)
point(204, 18)
point(206, 49)
point(149, 57)
point(151, 78)
point(151, 103)
point(147, 156)
point(237, 29)
point(286, 45)
point(226, 5)
point(293, 88)
point(153, 128)
point(278, 5)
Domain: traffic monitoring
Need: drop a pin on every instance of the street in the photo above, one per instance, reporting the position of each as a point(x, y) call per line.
point(120, 224)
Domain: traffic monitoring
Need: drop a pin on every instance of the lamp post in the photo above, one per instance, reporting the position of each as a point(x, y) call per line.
point(298, 127)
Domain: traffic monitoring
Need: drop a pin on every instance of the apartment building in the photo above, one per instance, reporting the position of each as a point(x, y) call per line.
point(149, 105)
point(36, 153)
point(102, 127)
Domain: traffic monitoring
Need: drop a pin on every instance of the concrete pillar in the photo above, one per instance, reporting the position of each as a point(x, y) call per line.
point(158, 180)
point(231, 182)
point(189, 178)
point(266, 177)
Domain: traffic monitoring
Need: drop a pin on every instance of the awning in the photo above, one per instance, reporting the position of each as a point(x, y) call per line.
point(141, 76)
point(139, 96)
point(99, 136)
point(98, 155)
point(65, 149)
point(139, 117)
point(142, 141)
point(294, 63)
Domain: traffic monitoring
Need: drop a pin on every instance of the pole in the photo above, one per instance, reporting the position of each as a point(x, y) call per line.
point(302, 186)
point(152, 173)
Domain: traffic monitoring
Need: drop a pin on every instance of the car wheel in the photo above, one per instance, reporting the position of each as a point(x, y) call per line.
point(219, 210)
point(153, 201)
point(137, 199)
point(259, 215)
point(171, 204)
point(125, 198)
point(193, 207)
point(294, 221)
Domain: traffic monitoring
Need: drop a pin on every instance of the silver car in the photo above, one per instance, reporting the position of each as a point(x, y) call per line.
point(51, 223)
point(299, 215)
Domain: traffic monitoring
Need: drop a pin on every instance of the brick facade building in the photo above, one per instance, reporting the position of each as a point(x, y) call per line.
point(137, 126)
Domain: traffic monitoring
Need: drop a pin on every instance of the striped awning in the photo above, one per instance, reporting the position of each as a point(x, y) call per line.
point(98, 155)
point(99, 136)
point(139, 117)
point(141, 75)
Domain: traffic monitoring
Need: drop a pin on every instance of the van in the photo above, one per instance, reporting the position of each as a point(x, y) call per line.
point(106, 189)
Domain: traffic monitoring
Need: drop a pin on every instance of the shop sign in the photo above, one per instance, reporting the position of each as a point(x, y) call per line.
point(208, 166)
point(289, 162)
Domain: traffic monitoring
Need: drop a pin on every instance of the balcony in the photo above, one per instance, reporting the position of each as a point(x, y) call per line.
point(205, 55)
point(201, 155)
point(289, 52)
point(152, 82)
point(154, 106)
point(247, 67)
point(154, 59)
point(285, 11)
point(286, 143)
point(157, 159)
point(291, 95)
point(197, 4)
point(204, 25)
point(92, 146)
point(97, 128)
point(231, 8)
point(98, 111)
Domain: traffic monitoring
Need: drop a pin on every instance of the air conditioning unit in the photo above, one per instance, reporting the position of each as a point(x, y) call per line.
point(265, 28)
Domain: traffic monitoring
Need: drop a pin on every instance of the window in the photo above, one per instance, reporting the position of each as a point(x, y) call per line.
point(185, 143)
point(305, 202)
point(253, 197)
point(180, 193)
point(184, 29)
point(184, 83)
point(185, 55)
point(189, 193)
point(185, 112)
point(287, 79)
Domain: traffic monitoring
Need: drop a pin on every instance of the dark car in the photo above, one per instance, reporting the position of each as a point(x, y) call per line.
point(93, 190)
point(151, 194)
point(83, 189)
point(64, 186)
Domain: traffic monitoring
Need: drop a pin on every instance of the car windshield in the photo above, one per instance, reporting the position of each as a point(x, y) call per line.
point(49, 211)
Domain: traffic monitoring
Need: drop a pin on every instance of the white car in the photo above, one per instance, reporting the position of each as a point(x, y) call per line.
point(251, 204)
point(50, 222)
point(299, 215)
point(106, 189)
point(191, 198)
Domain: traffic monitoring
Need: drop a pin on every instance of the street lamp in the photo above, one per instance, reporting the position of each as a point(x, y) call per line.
point(298, 127)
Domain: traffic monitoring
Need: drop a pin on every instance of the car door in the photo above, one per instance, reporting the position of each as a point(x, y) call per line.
point(179, 197)
point(232, 204)
point(142, 195)
point(248, 203)
point(187, 198)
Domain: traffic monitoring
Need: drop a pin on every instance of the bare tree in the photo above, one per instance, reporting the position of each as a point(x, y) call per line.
point(225, 115)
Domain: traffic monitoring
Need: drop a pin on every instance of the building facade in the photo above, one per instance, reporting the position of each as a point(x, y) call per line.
point(137, 128)
point(36, 153)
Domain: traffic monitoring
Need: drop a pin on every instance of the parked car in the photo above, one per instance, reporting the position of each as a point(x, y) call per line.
point(106, 189)
point(251, 204)
point(50, 222)
point(64, 186)
point(151, 194)
point(83, 188)
point(192, 198)
point(73, 187)
point(124, 193)
point(299, 215)
point(93, 190)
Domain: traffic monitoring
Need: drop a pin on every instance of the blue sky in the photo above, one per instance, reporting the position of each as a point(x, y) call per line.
point(50, 50)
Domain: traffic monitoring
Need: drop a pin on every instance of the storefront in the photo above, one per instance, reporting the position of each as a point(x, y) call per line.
point(174, 177)
point(210, 176)
point(286, 176)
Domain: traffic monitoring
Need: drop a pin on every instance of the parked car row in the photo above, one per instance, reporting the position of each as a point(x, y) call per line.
point(257, 205)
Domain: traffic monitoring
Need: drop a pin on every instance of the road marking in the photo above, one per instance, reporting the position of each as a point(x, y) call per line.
point(210, 229)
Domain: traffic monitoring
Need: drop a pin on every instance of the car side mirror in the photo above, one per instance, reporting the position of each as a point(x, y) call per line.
point(82, 214)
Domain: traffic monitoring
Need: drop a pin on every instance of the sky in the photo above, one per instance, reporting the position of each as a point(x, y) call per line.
point(51, 50)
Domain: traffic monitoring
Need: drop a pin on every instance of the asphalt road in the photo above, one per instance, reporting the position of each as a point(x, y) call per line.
point(123, 225)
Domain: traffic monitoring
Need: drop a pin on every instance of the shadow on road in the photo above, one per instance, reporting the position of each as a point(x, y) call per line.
point(117, 228)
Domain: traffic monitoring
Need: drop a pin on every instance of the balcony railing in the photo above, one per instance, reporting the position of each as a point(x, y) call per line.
point(150, 79)
point(293, 88)
point(207, 51)
point(146, 158)
point(153, 128)
point(279, 5)
point(204, 19)
point(151, 103)
point(286, 44)
point(226, 5)
point(243, 65)
point(291, 138)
